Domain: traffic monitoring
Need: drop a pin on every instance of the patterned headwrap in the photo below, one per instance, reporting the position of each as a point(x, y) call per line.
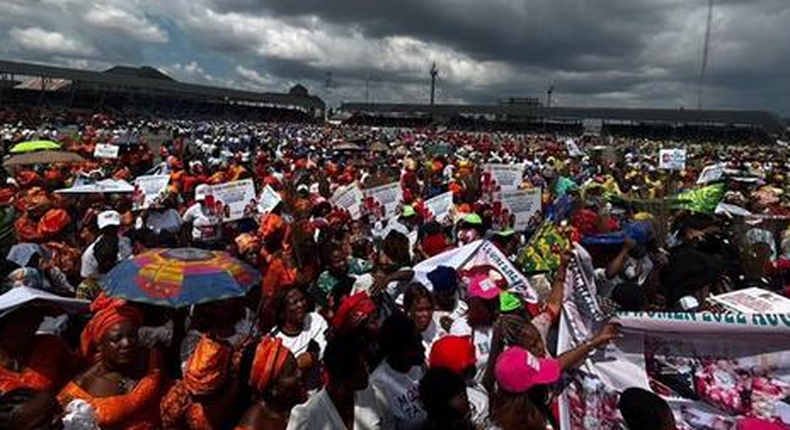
point(268, 364)
point(107, 313)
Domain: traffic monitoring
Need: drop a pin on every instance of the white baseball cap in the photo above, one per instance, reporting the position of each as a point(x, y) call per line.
point(108, 218)
point(201, 191)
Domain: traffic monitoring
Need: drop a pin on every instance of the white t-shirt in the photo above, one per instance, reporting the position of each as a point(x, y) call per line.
point(482, 341)
point(478, 403)
point(430, 335)
point(319, 413)
point(90, 266)
point(205, 226)
point(458, 313)
point(166, 220)
point(315, 327)
point(402, 393)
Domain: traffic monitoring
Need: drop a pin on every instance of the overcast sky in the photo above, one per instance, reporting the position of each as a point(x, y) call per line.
point(594, 52)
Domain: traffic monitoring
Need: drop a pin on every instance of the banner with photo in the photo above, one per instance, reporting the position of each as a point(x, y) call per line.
point(383, 201)
point(148, 190)
point(518, 206)
point(503, 176)
point(234, 200)
point(349, 198)
point(712, 369)
point(440, 206)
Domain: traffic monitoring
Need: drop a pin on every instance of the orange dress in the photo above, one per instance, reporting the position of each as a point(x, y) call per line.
point(46, 369)
point(277, 275)
point(135, 410)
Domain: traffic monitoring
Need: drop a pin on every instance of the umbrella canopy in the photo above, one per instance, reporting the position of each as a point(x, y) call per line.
point(34, 145)
point(105, 186)
point(180, 277)
point(16, 298)
point(43, 157)
point(379, 147)
point(346, 146)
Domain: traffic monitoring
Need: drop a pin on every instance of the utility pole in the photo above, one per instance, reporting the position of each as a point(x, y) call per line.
point(549, 92)
point(705, 50)
point(367, 89)
point(434, 73)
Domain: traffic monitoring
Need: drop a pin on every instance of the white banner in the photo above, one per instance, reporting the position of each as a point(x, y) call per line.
point(148, 189)
point(712, 369)
point(105, 150)
point(349, 198)
point(521, 206)
point(440, 206)
point(573, 148)
point(505, 175)
point(672, 159)
point(268, 200)
point(711, 173)
point(383, 201)
point(481, 253)
point(234, 200)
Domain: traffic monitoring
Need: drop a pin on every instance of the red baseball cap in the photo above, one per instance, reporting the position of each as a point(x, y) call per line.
point(455, 353)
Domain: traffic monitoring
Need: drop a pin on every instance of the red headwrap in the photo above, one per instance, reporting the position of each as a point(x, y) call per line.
point(53, 222)
point(353, 311)
point(268, 364)
point(107, 313)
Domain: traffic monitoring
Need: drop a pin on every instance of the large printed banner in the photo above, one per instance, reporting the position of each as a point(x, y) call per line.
point(383, 201)
point(712, 369)
point(234, 200)
point(476, 256)
point(440, 206)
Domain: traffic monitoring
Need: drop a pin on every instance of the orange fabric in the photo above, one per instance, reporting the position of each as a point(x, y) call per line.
point(268, 364)
point(53, 222)
point(65, 257)
point(207, 367)
point(7, 195)
point(178, 410)
point(46, 370)
point(278, 274)
point(270, 225)
point(135, 410)
point(108, 313)
point(26, 229)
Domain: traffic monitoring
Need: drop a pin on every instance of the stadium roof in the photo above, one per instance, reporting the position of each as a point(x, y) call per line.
point(150, 79)
point(767, 121)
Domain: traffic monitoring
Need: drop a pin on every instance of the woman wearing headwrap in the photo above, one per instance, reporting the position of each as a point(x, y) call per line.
point(206, 398)
point(276, 382)
point(124, 383)
point(278, 272)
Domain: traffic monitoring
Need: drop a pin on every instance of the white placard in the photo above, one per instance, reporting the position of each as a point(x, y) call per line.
point(440, 206)
point(148, 189)
point(711, 173)
point(233, 199)
point(385, 198)
point(754, 301)
point(573, 148)
point(672, 159)
point(349, 198)
point(521, 204)
point(268, 200)
point(105, 150)
point(506, 175)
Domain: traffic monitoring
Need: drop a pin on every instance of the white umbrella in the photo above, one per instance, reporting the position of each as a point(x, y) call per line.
point(15, 298)
point(104, 186)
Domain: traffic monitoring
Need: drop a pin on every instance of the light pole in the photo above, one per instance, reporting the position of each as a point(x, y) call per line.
point(549, 92)
point(434, 72)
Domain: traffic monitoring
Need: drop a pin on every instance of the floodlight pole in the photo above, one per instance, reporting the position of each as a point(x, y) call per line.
point(705, 50)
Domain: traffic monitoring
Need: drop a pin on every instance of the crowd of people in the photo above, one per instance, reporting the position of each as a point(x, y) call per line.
point(340, 333)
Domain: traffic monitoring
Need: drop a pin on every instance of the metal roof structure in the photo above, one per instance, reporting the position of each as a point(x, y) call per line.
point(149, 82)
point(767, 121)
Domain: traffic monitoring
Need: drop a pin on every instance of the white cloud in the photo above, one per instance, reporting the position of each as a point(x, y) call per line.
point(52, 42)
point(109, 16)
point(256, 80)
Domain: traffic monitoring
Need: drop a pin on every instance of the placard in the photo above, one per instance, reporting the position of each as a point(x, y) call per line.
point(506, 176)
point(754, 301)
point(233, 199)
point(672, 159)
point(440, 206)
point(521, 206)
point(349, 198)
point(105, 150)
point(383, 201)
point(268, 200)
point(148, 189)
point(711, 173)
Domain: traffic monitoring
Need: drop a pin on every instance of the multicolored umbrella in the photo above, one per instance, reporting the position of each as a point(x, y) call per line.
point(34, 145)
point(180, 277)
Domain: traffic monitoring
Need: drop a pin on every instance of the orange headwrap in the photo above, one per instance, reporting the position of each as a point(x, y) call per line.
point(207, 368)
point(268, 364)
point(270, 225)
point(53, 222)
point(107, 313)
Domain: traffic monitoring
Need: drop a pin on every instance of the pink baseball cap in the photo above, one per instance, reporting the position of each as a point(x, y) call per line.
point(480, 285)
point(517, 370)
point(758, 424)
